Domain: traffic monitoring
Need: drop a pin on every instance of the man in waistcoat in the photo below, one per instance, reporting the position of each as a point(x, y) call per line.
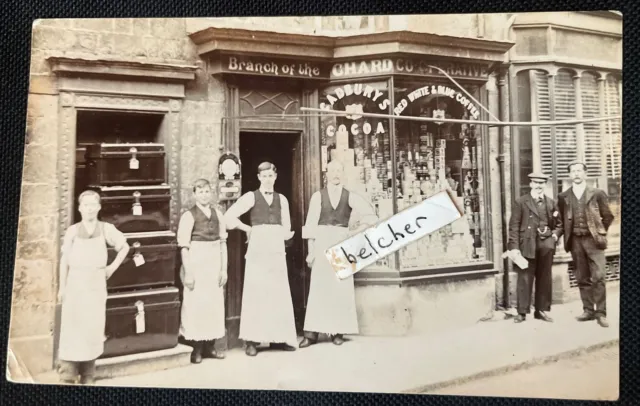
point(267, 309)
point(331, 306)
point(534, 228)
point(586, 216)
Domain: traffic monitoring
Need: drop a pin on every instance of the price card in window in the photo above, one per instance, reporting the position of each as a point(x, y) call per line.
point(134, 164)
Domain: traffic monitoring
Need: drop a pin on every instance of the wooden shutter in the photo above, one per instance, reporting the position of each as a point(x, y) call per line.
point(613, 129)
point(565, 109)
point(593, 138)
point(542, 108)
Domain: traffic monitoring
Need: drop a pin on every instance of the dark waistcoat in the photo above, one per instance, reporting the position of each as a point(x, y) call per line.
point(334, 217)
point(579, 208)
point(262, 213)
point(205, 229)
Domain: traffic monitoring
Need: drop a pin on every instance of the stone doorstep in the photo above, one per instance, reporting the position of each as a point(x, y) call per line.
point(513, 367)
point(142, 363)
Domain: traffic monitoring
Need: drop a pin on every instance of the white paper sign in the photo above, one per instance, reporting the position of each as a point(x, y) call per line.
point(137, 210)
point(388, 236)
point(134, 164)
point(140, 323)
point(138, 259)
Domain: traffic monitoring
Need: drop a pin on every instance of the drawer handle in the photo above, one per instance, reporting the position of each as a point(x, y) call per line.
point(137, 207)
point(140, 317)
point(133, 162)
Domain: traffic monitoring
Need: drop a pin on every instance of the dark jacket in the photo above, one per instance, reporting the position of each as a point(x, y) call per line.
point(523, 225)
point(598, 212)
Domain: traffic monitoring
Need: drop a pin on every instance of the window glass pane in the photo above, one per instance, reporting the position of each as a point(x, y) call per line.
point(436, 156)
point(362, 144)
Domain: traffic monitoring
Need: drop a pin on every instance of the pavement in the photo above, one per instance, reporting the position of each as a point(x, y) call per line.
point(575, 378)
point(412, 364)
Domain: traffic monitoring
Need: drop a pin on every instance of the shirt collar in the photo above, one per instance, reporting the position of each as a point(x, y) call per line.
point(334, 188)
point(579, 188)
point(203, 208)
point(267, 192)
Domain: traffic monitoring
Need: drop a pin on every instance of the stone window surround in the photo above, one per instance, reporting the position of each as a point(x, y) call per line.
point(117, 86)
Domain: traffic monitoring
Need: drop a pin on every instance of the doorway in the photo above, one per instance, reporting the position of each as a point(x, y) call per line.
point(284, 150)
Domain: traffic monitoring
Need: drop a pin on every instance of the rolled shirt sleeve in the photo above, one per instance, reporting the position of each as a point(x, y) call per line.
point(185, 228)
point(241, 206)
point(285, 214)
point(114, 237)
point(222, 225)
point(313, 217)
point(67, 242)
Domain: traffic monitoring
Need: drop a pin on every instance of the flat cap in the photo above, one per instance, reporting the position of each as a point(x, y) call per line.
point(538, 175)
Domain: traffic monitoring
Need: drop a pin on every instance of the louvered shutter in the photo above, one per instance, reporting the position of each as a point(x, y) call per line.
point(613, 130)
point(540, 84)
point(565, 109)
point(593, 137)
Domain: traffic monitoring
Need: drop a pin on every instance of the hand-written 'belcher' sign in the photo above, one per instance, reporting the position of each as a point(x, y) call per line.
point(365, 248)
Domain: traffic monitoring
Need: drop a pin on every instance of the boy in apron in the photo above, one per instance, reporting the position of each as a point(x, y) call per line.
point(83, 289)
point(202, 238)
point(267, 308)
point(331, 306)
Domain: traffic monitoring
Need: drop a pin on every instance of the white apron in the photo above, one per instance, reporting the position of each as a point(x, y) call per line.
point(267, 308)
point(84, 304)
point(202, 312)
point(331, 306)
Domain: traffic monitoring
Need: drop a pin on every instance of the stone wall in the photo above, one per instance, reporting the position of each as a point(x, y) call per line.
point(36, 267)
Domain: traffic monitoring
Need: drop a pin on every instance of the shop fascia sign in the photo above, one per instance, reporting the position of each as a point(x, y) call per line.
point(406, 66)
point(250, 65)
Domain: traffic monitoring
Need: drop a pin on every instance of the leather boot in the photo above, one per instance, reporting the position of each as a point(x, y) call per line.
point(585, 316)
point(251, 350)
point(196, 354)
point(209, 351)
point(520, 318)
point(338, 340)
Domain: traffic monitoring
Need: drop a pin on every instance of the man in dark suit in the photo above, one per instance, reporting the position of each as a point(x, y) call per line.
point(534, 229)
point(586, 216)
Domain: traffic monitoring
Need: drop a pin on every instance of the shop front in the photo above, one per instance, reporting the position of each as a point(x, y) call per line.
point(446, 278)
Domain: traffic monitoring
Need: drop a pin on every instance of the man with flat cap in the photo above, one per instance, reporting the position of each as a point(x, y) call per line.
point(534, 229)
point(587, 216)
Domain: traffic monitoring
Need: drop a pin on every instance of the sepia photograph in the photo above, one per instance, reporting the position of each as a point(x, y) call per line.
point(418, 204)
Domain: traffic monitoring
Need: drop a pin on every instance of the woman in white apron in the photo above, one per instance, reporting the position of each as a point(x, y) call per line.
point(331, 305)
point(202, 238)
point(267, 308)
point(83, 289)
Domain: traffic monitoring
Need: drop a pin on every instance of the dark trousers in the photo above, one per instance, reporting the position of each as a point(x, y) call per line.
point(589, 265)
point(539, 270)
point(70, 371)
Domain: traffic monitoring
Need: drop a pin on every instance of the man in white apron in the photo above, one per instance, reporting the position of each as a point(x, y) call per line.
point(331, 306)
point(267, 308)
point(83, 289)
point(202, 238)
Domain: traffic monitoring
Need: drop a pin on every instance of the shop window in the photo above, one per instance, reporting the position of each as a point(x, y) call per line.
point(362, 144)
point(434, 156)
